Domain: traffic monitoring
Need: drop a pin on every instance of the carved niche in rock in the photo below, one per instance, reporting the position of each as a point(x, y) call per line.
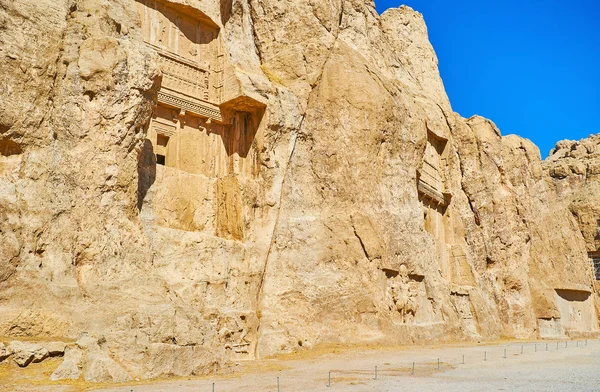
point(462, 303)
point(431, 186)
point(199, 137)
point(462, 274)
point(407, 299)
point(431, 176)
point(577, 312)
point(10, 156)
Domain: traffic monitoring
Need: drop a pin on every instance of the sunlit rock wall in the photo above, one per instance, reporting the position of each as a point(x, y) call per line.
point(189, 182)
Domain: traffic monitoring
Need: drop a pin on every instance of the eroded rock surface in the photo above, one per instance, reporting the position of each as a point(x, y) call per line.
point(574, 172)
point(574, 167)
point(70, 368)
point(25, 353)
point(188, 182)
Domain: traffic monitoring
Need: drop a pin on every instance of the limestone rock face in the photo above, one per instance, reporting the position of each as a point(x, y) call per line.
point(574, 167)
point(188, 182)
point(574, 173)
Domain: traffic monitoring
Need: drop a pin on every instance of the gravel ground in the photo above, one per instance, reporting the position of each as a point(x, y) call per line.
point(574, 366)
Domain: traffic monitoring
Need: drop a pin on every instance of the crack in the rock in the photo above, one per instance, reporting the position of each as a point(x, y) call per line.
point(275, 227)
point(254, 34)
point(296, 134)
point(362, 245)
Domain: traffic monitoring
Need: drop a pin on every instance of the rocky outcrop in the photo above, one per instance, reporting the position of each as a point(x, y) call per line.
point(574, 173)
point(574, 167)
point(185, 183)
point(70, 368)
point(24, 353)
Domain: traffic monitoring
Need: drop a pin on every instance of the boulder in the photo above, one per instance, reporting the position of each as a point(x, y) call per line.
point(24, 353)
point(55, 349)
point(4, 352)
point(98, 366)
point(70, 368)
point(86, 341)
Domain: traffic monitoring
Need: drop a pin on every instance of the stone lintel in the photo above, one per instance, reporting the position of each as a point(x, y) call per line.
point(460, 290)
point(441, 198)
point(190, 105)
point(243, 103)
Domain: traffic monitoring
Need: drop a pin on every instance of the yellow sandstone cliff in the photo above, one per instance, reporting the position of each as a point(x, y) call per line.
point(188, 182)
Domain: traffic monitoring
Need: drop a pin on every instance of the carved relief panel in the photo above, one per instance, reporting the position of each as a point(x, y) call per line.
point(430, 173)
point(431, 176)
point(435, 199)
point(190, 53)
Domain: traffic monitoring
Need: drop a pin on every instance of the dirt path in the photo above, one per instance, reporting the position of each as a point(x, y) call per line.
point(575, 367)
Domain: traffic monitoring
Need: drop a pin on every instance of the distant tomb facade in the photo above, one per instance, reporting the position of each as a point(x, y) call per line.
point(435, 199)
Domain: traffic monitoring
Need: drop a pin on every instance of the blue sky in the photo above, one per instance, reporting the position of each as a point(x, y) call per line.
point(532, 67)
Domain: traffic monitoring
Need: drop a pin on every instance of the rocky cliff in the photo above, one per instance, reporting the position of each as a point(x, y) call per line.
point(574, 174)
point(574, 170)
point(189, 182)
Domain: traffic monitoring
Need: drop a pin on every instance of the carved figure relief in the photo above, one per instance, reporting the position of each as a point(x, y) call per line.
point(402, 299)
point(462, 303)
point(234, 336)
point(577, 310)
point(406, 298)
point(461, 270)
